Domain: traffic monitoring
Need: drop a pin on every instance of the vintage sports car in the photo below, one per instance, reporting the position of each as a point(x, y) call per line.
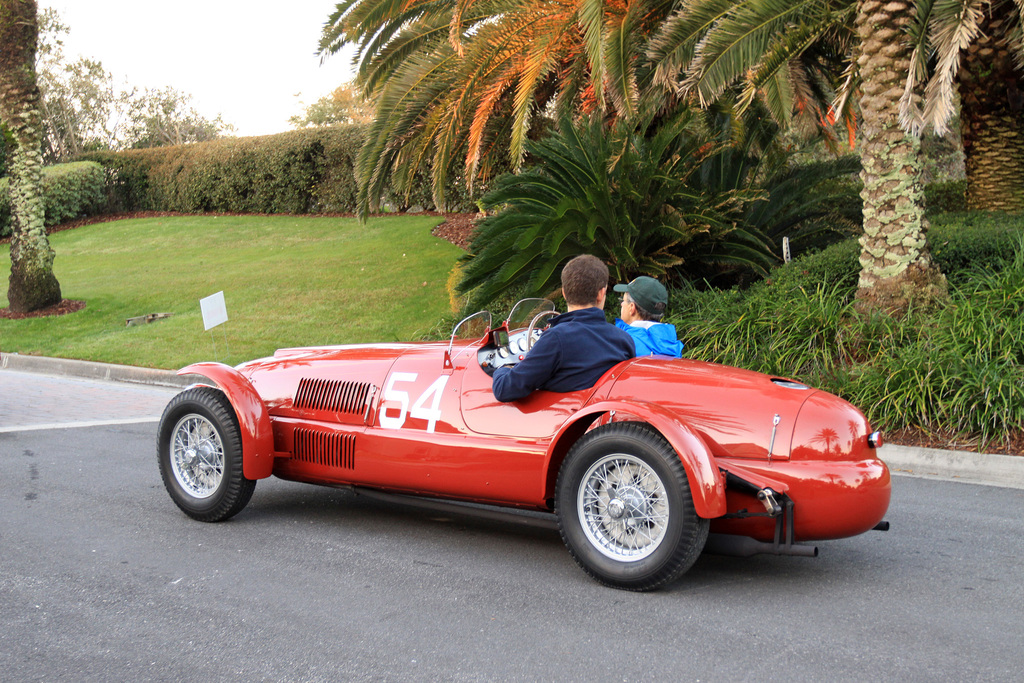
point(637, 470)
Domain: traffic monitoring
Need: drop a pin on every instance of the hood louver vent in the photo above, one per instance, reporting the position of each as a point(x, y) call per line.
point(332, 395)
point(329, 449)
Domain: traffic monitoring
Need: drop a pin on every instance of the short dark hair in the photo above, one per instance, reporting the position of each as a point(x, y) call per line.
point(583, 277)
point(644, 314)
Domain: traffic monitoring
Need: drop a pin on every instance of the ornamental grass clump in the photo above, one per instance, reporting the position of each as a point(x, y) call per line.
point(963, 374)
point(956, 371)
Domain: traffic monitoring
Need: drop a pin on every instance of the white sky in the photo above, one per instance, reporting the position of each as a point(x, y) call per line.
point(251, 61)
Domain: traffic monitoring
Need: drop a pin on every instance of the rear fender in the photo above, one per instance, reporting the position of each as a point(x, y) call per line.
point(707, 484)
point(253, 418)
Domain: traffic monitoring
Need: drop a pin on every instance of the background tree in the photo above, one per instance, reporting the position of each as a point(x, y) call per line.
point(32, 283)
point(84, 109)
point(344, 105)
point(165, 116)
point(975, 48)
point(764, 47)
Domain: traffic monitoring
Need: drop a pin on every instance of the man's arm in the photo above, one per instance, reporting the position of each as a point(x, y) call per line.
point(514, 383)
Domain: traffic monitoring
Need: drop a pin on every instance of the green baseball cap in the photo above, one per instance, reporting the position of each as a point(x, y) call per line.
point(647, 293)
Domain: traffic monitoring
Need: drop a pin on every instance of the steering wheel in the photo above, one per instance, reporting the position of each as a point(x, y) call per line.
point(533, 325)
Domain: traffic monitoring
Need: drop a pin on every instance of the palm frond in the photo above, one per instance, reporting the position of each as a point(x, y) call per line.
point(672, 47)
point(955, 24)
point(591, 19)
point(624, 38)
point(736, 42)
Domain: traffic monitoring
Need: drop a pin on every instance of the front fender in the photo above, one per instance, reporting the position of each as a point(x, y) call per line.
point(253, 418)
point(707, 484)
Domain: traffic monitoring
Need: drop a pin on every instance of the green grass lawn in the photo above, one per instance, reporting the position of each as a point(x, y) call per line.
point(287, 281)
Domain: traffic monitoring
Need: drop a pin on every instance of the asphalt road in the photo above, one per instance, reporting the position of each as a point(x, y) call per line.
point(102, 578)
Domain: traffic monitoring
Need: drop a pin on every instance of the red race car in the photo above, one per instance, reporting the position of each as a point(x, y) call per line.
point(637, 470)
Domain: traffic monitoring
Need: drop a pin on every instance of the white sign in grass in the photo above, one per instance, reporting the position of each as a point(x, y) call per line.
point(215, 311)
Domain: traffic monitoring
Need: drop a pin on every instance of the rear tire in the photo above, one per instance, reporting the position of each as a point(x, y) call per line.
point(200, 452)
point(624, 508)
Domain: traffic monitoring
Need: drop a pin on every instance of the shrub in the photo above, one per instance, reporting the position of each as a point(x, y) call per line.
point(127, 183)
point(3, 151)
point(950, 195)
point(675, 198)
point(962, 242)
point(303, 171)
point(69, 191)
point(957, 370)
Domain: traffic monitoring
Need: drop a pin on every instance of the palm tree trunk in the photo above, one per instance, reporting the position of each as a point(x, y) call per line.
point(992, 120)
point(896, 266)
point(32, 284)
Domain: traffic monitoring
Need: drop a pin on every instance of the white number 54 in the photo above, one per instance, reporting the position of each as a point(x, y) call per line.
point(419, 410)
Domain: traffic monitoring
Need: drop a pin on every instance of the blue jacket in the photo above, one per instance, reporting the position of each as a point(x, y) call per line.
point(658, 339)
point(572, 354)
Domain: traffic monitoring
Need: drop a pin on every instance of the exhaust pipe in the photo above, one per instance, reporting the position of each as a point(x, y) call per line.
point(744, 546)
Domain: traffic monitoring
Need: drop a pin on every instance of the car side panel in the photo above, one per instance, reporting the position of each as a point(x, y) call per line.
point(413, 440)
point(538, 416)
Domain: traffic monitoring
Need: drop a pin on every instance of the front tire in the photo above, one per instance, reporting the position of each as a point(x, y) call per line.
point(624, 508)
point(200, 452)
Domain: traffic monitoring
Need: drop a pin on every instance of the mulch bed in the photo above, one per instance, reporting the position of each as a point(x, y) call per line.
point(458, 229)
point(1012, 445)
point(63, 308)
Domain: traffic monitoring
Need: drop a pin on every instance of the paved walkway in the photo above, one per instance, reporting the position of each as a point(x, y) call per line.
point(34, 401)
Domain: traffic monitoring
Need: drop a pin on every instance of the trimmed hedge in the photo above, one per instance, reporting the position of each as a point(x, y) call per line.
point(943, 197)
point(302, 171)
point(70, 191)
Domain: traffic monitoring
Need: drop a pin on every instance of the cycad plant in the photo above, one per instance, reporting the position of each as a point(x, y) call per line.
point(671, 198)
point(618, 194)
point(811, 200)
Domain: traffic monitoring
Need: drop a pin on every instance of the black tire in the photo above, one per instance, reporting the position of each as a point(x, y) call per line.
point(634, 526)
point(200, 452)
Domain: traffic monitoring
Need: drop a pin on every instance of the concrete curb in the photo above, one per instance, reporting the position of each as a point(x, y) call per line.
point(970, 468)
point(961, 466)
point(64, 367)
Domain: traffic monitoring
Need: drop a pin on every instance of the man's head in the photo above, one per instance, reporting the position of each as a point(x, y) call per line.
point(643, 299)
point(585, 282)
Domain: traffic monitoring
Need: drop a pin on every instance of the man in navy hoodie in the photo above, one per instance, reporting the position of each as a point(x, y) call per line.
point(578, 347)
point(643, 303)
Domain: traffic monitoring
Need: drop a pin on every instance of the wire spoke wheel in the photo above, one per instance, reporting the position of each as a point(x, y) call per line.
point(624, 508)
point(197, 456)
point(199, 449)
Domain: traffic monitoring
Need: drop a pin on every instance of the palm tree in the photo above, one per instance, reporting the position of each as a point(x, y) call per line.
point(776, 48)
point(788, 52)
point(465, 79)
point(785, 52)
point(32, 284)
point(977, 46)
point(896, 265)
